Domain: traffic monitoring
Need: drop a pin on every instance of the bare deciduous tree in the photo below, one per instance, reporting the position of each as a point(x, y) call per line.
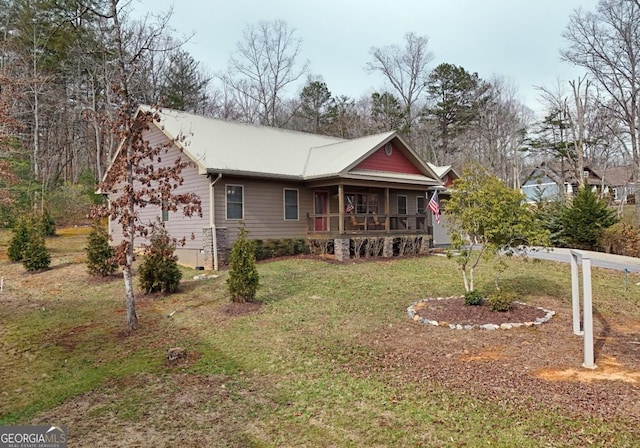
point(607, 43)
point(264, 65)
point(134, 181)
point(405, 68)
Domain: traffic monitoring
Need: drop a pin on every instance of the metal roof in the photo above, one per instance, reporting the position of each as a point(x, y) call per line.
point(230, 147)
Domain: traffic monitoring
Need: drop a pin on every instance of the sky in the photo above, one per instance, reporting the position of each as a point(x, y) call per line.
point(519, 40)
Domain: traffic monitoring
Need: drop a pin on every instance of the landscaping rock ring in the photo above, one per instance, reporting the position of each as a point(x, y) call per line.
point(419, 312)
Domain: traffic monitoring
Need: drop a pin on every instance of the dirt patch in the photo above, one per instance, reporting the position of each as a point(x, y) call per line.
point(608, 369)
point(537, 367)
point(241, 309)
point(69, 339)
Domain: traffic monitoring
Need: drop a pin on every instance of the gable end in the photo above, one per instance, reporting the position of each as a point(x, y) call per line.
point(390, 159)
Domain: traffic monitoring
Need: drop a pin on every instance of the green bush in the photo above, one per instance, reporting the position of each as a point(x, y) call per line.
point(271, 248)
point(36, 256)
point(473, 298)
point(47, 224)
point(100, 255)
point(19, 240)
point(243, 278)
point(585, 219)
point(159, 270)
point(500, 301)
point(621, 239)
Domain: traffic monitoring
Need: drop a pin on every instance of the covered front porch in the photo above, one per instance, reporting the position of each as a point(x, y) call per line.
point(359, 220)
point(369, 210)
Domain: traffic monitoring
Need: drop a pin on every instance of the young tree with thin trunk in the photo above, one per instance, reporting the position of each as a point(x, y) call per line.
point(134, 181)
point(487, 218)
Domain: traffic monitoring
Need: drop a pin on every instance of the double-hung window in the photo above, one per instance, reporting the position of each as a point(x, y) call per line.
point(235, 201)
point(290, 204)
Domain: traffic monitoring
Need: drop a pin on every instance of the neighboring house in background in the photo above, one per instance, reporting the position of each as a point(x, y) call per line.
point(286, 184)
point(552, 180)
point(619, 180)
point(441, 230)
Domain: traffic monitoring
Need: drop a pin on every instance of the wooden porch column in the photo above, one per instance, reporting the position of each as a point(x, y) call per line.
point(341, 209)
point(387, 209)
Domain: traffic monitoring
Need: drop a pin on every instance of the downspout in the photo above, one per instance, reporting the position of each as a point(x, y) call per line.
point(212, 221)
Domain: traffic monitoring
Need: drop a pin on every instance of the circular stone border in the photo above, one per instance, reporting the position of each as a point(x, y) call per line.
point(411, 311)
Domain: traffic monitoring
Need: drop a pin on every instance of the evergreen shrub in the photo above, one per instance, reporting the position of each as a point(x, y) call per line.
point(36, 255)
point(473, 298)
point(100, 255)
point(243, 278)
point(159, 271)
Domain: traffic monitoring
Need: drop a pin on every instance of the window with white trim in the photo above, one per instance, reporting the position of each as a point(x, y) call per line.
point(235, 201)
point(420, 205)
point(291, 204)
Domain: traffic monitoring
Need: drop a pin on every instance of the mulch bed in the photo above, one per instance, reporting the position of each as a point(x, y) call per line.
point(533, 367)
point(454, 311)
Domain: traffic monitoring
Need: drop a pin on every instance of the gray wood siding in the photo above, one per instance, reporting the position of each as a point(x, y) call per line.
point(178, 225)
point(263, 209)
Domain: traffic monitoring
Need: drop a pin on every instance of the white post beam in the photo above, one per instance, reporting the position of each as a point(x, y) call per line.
point(575, 294)
point(587, 309)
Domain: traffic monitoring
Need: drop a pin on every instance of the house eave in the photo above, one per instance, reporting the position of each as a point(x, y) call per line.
point(254, 174)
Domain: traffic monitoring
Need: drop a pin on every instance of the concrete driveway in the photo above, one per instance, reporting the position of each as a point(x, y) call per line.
point(598, 259)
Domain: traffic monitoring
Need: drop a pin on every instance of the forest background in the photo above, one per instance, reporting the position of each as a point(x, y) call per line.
point(58, 64)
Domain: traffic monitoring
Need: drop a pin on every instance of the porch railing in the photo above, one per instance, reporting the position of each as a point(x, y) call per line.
point(368, 223)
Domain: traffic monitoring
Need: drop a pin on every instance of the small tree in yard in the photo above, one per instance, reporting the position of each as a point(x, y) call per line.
point(243, 275)
point(485, 213)
point(36, 256)
point(585, 219)
point(19, 240)
point(159, 270)
point(139, 176)
point(100, 255)
point(27, 245)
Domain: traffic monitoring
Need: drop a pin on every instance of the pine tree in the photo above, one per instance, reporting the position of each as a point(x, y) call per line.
point(19, 240)
point(100, 255)
point(243, 278)
point(159, 270)
point(36, 255)
point(585, 219)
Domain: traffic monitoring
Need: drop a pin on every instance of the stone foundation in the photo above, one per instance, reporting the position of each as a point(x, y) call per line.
point(207, 247)
point(387, 249)
point(341, 248)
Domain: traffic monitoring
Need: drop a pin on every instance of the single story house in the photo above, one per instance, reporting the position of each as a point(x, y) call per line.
point(286, 184)
point(619, 181)
point(550, 180)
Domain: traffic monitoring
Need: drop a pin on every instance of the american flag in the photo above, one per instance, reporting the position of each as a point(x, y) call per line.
point(350, 206)
point(434, 206)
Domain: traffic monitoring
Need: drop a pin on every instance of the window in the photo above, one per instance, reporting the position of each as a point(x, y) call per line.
point(165, 210)
point(420, 205)
point(290, 204)
point(235, 201)
point(402, 205)
point(363, 203)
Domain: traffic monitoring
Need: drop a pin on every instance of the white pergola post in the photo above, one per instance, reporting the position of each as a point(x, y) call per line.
point(587, 304)
point(575, 295)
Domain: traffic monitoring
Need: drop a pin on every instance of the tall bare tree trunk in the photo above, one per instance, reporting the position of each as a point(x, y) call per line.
point(129, 230)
